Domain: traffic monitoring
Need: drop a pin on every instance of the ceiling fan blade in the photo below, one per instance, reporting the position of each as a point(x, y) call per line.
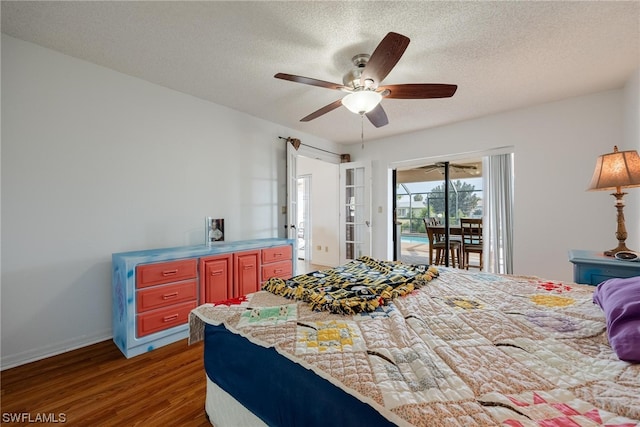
point(419, 90)
point(309, 81)
point(323, 110)
point(377, 116)
point(429, 169)
point(384, 57)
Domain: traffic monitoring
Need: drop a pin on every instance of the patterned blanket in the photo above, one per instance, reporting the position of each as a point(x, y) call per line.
point(359, 285)
point(468, 349)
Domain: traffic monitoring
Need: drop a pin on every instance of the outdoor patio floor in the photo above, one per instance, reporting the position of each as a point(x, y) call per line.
point(418, 253)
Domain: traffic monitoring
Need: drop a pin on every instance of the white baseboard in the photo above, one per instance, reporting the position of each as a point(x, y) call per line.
point(13, 360)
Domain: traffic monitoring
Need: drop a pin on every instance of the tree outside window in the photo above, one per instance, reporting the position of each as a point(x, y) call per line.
point(463, 200)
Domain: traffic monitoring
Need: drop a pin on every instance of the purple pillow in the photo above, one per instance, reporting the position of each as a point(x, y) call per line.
point(620, 301)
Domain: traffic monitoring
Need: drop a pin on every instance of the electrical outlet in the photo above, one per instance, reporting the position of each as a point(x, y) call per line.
point(326, 248)
point(284, 210)
point(319, 248)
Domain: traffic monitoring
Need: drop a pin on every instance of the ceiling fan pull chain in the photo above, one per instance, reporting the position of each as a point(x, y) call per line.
point(362, 130)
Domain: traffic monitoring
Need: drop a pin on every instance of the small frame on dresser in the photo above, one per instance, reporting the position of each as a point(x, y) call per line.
point(214, 230)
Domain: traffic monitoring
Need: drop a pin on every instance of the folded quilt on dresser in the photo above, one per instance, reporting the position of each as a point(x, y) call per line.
point(468, 349)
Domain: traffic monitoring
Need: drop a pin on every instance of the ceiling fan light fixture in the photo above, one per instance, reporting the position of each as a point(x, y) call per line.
point(363, 81)
point(362, 101)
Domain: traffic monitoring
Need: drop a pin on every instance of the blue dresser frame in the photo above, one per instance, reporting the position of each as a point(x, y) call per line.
point(124, 289)
point(593, 268)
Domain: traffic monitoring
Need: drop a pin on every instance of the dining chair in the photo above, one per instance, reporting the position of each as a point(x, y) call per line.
point(471, 240)
point(431, 222)
point(437, 245)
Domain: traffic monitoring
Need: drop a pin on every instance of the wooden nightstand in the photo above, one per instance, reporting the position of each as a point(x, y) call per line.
point(592, 268)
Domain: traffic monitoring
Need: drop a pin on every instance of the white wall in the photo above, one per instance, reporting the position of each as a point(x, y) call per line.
point(324, 209)
point(632, 142)
point(632, 111)
point(555, 147)
point(96, 162)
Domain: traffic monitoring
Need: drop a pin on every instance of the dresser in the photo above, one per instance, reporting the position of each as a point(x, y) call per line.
point(153, 291)
point(592, 268)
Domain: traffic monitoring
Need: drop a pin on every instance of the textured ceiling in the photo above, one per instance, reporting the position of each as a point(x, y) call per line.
point(502, 55)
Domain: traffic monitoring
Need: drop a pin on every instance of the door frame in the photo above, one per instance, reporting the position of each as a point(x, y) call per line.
point(417, 162)
point(292, 179)
point(355, 197)
point(305, 182)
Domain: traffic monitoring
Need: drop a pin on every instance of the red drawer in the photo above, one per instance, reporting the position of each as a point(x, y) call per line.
point(279, 253)
point(165, 272)
point(164, 295)
point(282, 269)
point(164, 318)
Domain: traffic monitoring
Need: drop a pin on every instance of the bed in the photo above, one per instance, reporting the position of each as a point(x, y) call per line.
point(395, 344)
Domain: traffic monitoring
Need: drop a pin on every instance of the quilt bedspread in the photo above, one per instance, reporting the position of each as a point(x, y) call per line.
point(465, 349)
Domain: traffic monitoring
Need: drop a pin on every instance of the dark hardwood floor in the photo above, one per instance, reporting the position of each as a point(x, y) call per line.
point(98, 386)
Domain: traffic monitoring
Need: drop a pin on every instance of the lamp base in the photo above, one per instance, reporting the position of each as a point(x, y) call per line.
point(621, 247)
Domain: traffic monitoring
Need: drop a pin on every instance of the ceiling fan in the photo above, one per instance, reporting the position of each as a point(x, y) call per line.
point(363, 83)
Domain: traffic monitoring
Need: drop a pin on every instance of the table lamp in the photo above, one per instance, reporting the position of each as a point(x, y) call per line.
point(615, 171)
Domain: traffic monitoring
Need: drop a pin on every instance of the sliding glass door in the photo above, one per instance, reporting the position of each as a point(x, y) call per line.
point(440, 194)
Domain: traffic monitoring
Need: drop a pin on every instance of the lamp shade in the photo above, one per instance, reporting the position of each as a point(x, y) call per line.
point(616, 170)
point(362, 101)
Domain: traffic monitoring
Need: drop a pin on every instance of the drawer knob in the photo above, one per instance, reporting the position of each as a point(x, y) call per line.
point(169, 296)
point(170, 272)
point(170, 318)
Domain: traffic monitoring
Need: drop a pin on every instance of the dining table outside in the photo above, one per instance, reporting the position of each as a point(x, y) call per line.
point(415, 243)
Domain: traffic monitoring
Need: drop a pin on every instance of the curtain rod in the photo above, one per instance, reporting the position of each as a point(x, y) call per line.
point(296, 143)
